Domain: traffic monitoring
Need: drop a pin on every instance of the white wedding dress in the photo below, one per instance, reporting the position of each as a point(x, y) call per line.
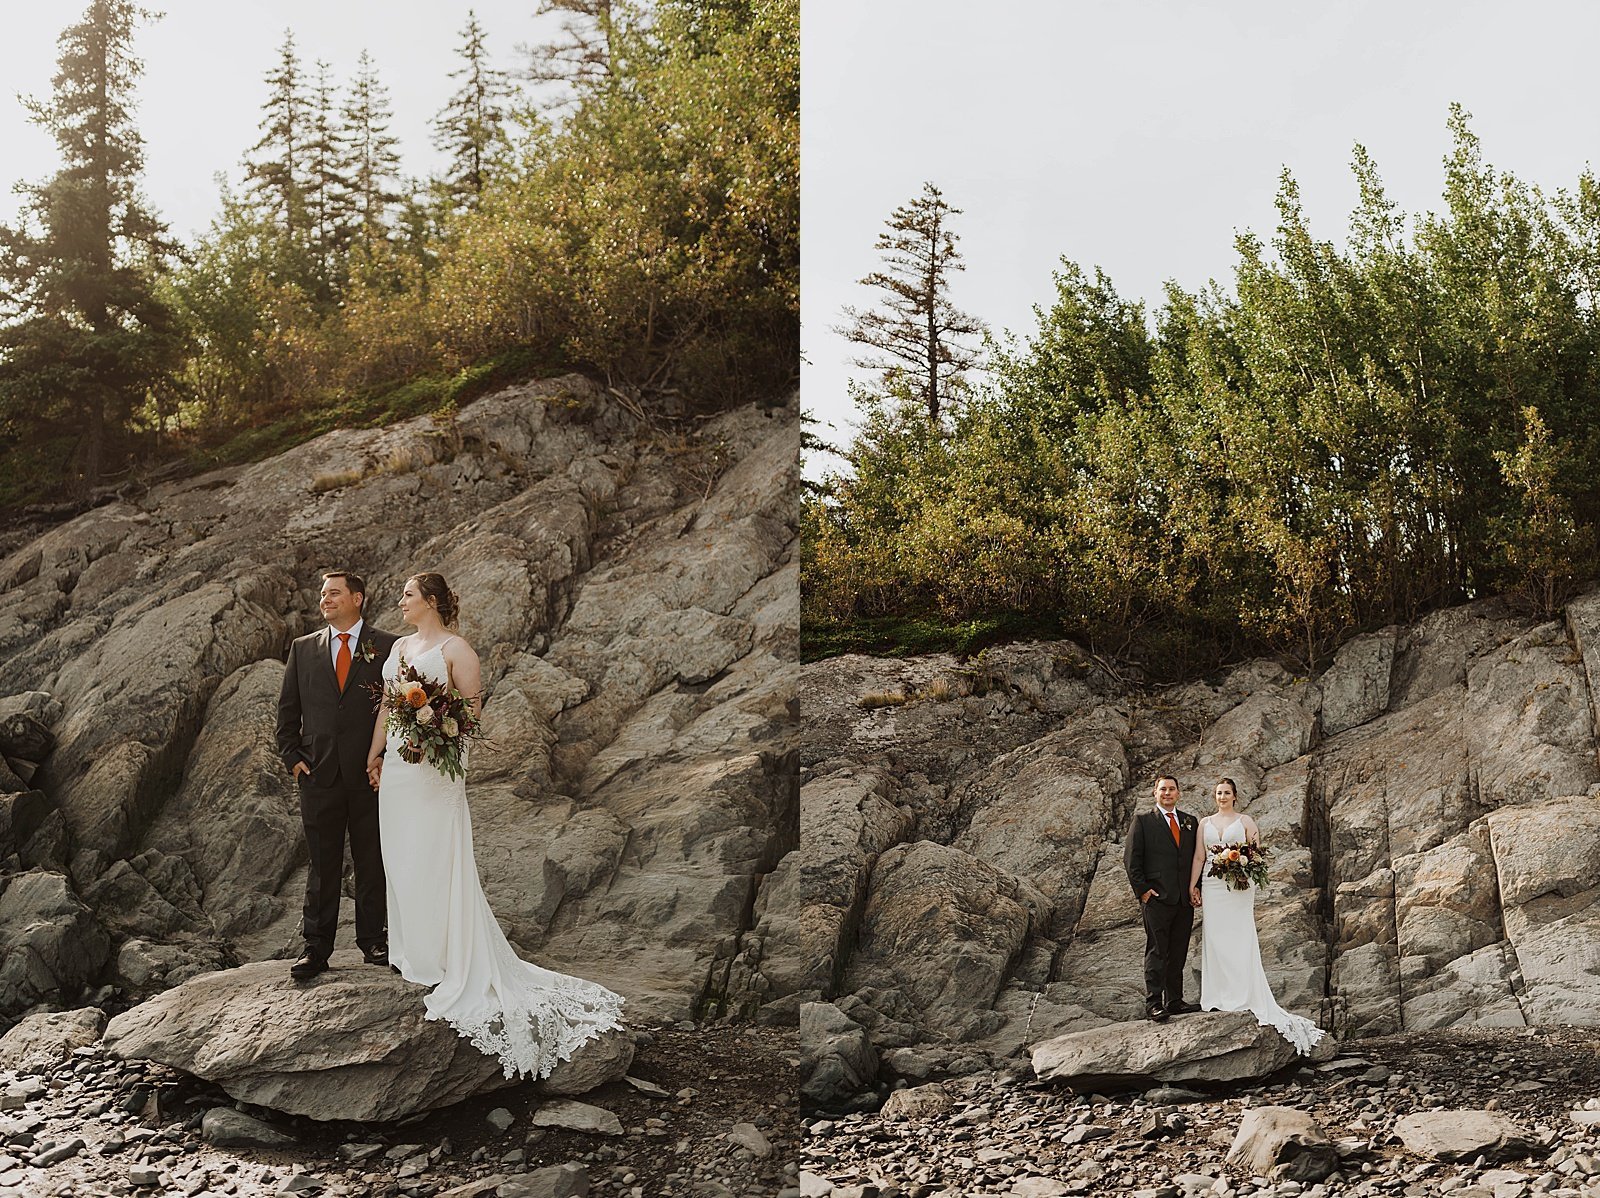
point(1231, 976)
point(443, 934)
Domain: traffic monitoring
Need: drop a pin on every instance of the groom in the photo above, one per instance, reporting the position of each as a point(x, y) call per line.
point(325, 721)
point(1158, 853)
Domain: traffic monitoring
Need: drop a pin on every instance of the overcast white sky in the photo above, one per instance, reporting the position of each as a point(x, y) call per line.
point(200, 98)
point(1139, 135)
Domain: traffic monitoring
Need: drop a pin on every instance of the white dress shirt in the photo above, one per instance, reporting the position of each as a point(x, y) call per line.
point(333, 643)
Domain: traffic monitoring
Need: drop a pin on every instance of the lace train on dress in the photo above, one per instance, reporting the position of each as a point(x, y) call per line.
point(442, 932)
point(1231, 975)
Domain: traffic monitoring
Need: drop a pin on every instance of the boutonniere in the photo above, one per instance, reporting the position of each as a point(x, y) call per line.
point(366, 651)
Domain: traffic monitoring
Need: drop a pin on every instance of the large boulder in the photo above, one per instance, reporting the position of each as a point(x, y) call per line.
point(235, 820)
point(351, 1044)
point(1211, 1047)
point(1356, 687)
point(1547, 857)
point(43, 1040)
point(838, 1064)
point(979, 922)
point(1042, 811)
point(848, 819)
point(1270, 1137)
point(1463, 1135)
point(50, 942)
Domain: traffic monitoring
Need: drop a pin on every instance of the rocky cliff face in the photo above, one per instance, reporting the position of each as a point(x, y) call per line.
point(633, 597)
point(1431, 801)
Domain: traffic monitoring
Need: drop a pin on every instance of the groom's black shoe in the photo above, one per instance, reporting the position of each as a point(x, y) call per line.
point(378, 954)
point(307, 967)
point(1156, 1014)
point(1182, 1008)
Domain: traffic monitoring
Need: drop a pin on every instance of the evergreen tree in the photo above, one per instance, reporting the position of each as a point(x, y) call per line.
point(469, 127)
point(917, 331)
point(276, 175)
point(85, 336)
point(328, 192)
point(586, 53)
point(373, 166)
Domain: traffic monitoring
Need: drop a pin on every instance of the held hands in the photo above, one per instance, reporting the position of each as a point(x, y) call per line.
point(1194, 895)
point(375, 769)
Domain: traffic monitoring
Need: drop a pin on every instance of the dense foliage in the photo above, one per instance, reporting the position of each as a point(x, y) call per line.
point(644, 226)
point(1354, 435)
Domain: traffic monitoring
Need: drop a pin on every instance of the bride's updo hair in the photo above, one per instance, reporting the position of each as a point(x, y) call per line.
point(433, 587)
point(1232, 785)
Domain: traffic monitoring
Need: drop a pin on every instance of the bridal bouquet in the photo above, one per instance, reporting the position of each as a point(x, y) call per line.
point(433, 719)
point(1238, 865)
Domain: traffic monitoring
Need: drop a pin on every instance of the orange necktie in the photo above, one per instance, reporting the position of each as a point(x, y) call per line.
point(1172, 822)
point(341, 660)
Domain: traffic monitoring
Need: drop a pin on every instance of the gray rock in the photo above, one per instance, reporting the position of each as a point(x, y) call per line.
point(751, 1138)
point(32, 827)
point(24, 735)
point(837, 1061)
point(918, 1102)
point(501, 1119)
point(1356, 687)
point(59, 1153)
point(1209, 1047)
point(1453, 1135)
point(558, 1181)
point(968, 839)
point(982, 919)
point(41, 1041)
point(1034, 1186)
point(1274, 1136)
point(50, 942)
point(228, 1128)
point(639, 634)
point(144, 967)
point(576, 1116)
point(604, 1059)
point(353, 1044)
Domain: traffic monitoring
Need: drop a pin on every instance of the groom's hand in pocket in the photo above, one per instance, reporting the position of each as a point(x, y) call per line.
point(300, 767)
point(1148, 895)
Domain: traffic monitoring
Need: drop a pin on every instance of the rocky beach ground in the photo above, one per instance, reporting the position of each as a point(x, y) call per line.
point(1007, 1133)
point(707, 1113)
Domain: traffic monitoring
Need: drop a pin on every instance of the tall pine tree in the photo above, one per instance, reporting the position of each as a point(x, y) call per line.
point(276, 175)
point(585, 52)
point(85, 338)
point(328, 189)
point(373, 166)
point(917, 332)
point(470, 125)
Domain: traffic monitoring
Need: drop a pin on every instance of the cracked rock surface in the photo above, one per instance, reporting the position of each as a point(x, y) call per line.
point(1431, 800)
point(632, 594)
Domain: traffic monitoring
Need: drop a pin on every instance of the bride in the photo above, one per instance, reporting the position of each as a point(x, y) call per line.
point(441, 930)
point(1231, 976)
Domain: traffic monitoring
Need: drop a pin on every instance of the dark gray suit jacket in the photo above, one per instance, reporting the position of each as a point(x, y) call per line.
point(1152, 860)
point(329, 731)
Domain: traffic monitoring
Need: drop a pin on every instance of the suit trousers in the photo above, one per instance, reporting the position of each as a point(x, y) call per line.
point(329, 812)
point(1166, 947)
